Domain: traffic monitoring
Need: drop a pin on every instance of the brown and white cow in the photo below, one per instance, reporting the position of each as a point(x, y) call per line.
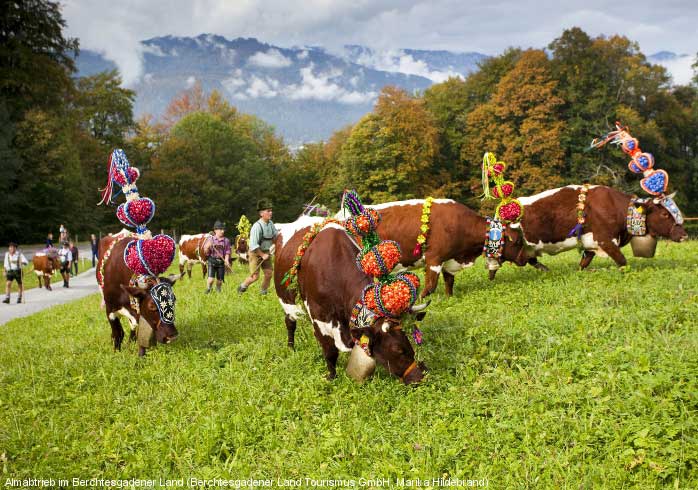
point(45, 265)
point(455, 240)
point(191, 252)
point(329, 284)
point(117, 293)
point(550, 216)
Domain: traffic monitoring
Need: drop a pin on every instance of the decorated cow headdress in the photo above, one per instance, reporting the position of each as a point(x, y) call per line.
point(508, 211)
point(655, 181)
point(147, 256)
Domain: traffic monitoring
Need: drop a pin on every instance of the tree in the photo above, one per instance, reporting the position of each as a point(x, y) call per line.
point(104, 108)
point(390, 153)
point(521, 125)
point(36, 60)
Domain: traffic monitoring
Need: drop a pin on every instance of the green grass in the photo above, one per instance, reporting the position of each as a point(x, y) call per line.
point(565, 379)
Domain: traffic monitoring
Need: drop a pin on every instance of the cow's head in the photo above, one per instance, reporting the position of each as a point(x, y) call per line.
point(664, 219)
point(156, 303)
point(390, 346)
point(514, 246)
point(241, 245)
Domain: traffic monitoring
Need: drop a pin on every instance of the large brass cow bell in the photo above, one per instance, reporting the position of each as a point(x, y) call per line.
point(643, 246)
point(360, 366)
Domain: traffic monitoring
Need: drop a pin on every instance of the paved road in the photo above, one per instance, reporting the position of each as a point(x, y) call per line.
point(38, 299)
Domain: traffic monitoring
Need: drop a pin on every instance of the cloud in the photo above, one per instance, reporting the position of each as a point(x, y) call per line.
point(680, 69)
point(262, 88)
point(271, 59)
point(399, 61)
point(319, 87)
point(487, 26)
point(190, 81)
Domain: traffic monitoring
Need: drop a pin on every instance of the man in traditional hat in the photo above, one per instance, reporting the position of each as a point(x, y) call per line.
point(14, 260)
point(262, 237)
point(66, 258)
point(217, 248)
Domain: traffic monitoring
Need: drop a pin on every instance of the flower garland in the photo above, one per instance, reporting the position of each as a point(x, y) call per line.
point(509, 209)
point(424, 228)
point(290, 279)
point(244, 226)
point(581, 213)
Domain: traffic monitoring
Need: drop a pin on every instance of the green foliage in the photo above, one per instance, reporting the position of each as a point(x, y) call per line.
point(556, 380)
point(36, 60)
point(390, 152)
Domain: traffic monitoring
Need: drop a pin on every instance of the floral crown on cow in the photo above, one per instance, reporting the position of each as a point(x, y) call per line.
point(508, 211)
point(655, 181)
point(147, 255)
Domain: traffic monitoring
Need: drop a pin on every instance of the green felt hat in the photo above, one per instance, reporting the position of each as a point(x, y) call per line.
point(264, 204)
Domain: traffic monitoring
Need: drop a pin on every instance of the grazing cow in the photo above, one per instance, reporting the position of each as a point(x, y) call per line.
point(330, 284)
point(550, 216)
point(455, 240)
point(241, 249)
point(191, 252)
point(134, 302)
point(45, 264)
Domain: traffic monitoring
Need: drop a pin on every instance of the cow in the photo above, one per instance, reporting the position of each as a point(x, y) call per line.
point(241, 249)
point(191, 252)
point(123, 299)
point(550, 216)
point(45, 264)
point(455, 239)
point(329, 285)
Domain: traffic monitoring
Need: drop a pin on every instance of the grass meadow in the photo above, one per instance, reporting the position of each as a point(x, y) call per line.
point(564, 379)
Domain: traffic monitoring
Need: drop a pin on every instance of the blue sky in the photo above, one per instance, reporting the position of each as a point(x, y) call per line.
point(115, 27)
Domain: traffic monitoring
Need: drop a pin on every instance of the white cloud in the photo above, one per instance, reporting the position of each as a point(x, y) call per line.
point(232, 84)
point(262, 88)
point(680, 69)
point(400, 62)
point(153, 49)
point(302, 55)
point(319, 87)
point(190, 81)
point(271, 59)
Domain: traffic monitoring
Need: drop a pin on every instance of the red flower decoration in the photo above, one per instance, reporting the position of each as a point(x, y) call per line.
point(386, 253)
point(137, 212)
point(157, 254)
point(510, 211)
point(132, 173)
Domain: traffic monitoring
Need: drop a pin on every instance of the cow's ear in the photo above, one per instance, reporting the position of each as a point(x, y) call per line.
point(357, 333)
point(135, 292)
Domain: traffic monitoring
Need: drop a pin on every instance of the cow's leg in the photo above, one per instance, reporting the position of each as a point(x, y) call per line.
point(141, 351)
point(448, 282)
point(117, 331)
point(181, 268)
point(614, 252)
point(47, 281)
point(40, 278)
point(204, 268)
point(291, 330)
point(587, 257)
point(190, 266)
point(431, 274)
point(329, 350)
point(534, 262)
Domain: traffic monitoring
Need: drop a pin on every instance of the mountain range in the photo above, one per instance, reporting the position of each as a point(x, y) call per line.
point(305, 92)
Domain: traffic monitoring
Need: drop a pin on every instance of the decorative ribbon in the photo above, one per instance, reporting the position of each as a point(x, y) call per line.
point(635, 221)
point(581, 214)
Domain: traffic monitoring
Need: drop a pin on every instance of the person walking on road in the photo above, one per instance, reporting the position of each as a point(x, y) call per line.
point(74, 264)
point(65, 257)
point(14, 261)
point(94, 244)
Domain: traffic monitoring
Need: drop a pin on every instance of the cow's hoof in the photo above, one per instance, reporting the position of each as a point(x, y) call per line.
point(330, 376)
point(541, 267)
point(291, 346)
point(141, 351)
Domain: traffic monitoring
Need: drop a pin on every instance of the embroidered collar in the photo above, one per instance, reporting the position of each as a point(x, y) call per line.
point(494, 239)
point(636, 219)
point(164, 299)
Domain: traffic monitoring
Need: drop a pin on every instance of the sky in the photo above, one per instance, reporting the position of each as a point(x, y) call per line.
point(115, 27)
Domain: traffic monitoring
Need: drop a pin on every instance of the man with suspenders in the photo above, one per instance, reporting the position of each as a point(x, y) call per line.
point(14, 260)
point(262, 237)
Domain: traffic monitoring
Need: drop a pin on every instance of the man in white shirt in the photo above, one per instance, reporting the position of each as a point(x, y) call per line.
point(14, 260)
point(66, 258)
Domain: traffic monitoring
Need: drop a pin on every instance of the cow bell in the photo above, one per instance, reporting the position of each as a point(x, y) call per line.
point(643, 246)
point(360, 366)
point(145, 334)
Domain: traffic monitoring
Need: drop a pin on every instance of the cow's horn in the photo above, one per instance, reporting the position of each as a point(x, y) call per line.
point(655, 200)
point(418, 308)
point(385, 327)
point(671, 196)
